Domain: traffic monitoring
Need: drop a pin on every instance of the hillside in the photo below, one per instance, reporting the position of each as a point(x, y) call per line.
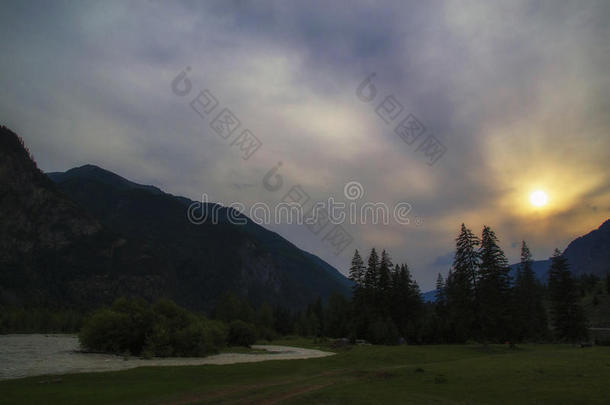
point(590, 254)
point(97, 235)
point(53, 252)
point(587, 254)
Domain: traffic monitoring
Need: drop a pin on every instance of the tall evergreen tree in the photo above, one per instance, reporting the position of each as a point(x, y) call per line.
point(440, 293)
point(493, 289)
point(383, 300)
point(529, 314)
point(406, 304)
point(371, 273)
point(385, 267)
point(357, 270)
point(461, 287)
point(364, 308)
point(567, 314)
point(437, 321)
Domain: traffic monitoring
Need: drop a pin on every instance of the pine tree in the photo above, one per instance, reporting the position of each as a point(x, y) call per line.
point(437, 321)
point(415, 306)
point(440, 293)
point(567, 314)
point(467, 259)
point(461, 287)
point(406, 305)
point(364, 308)
point(384, 272)
point(493, 289)
point(529, 314)
point(357, 270)
point(382, 293)
point(370, 275)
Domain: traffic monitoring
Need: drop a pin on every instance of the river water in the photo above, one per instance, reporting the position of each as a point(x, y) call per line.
point(30, 355)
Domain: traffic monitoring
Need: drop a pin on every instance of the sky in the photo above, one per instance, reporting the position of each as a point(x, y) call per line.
point(516, 93)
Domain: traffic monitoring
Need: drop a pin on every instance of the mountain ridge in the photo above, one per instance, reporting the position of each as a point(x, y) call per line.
point(133, 239)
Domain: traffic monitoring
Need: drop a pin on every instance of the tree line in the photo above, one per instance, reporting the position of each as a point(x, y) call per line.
point(479, 300)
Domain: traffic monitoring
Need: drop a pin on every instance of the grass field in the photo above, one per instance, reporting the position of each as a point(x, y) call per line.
point(553, 374)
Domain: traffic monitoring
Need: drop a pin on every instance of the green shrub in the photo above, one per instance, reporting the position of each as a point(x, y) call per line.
point(241, 334)
point(192, 341)
point(163, 329)
point(106, 331)
point(219, 332)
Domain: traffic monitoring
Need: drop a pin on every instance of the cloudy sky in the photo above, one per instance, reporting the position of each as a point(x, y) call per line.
point(518, 92)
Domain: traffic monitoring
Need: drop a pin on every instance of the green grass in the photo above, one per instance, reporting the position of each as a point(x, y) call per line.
point(551, 374)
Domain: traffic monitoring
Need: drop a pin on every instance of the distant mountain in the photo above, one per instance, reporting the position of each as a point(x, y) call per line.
point(540, 267)
point(93, 172)
point(588, 254)
point(134, 239)
point(429, 296)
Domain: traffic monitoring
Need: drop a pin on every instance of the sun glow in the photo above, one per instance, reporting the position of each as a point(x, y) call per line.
point(539, 198)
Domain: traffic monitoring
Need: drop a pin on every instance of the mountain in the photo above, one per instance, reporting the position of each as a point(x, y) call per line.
point(103, 176)
point(53, 251)
point(105, 236)
point(587, 254)
point(540, 267)
point(429, 296)
point(590, 254)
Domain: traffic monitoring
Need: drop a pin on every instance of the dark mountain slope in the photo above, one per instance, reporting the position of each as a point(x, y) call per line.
point(590, 254)
point(540, 267)
point(130, 238)
point(248, 259)
point(93, 172)
point(52, 252)
point(587, 254)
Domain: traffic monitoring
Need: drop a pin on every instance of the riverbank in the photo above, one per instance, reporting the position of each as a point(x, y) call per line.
point(35, 354)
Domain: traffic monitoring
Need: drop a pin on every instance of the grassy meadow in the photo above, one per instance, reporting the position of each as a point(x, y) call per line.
point(552, 374)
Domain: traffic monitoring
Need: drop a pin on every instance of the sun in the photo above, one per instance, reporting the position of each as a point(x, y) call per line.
point(539, 198)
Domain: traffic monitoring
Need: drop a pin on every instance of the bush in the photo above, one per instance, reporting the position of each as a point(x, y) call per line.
point(106, 331)
point(219, 332)
point(165, 329)
point(194, 340)
point(241, 334)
